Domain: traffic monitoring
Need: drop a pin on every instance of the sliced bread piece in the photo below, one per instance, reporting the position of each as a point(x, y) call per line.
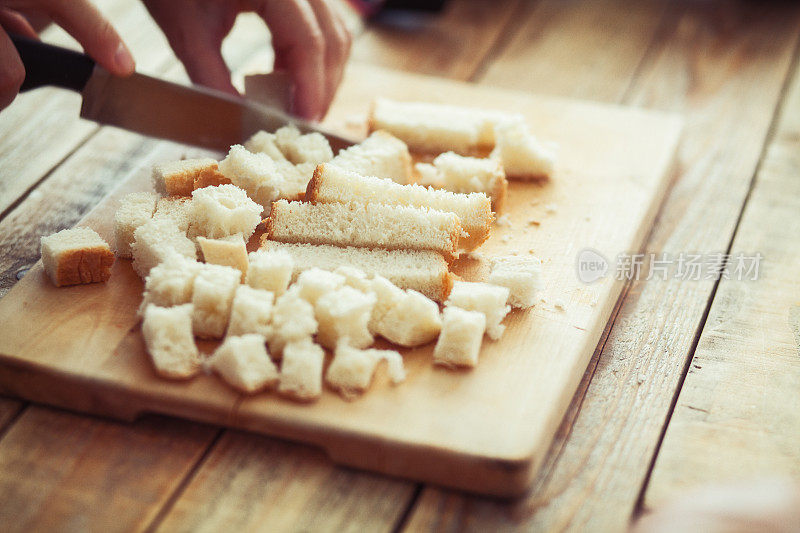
point(177, 178)
point(229, 251)
point(484, 298)
point(243, 363)
point(270, 270)
point(224, 210)
point(301, 370)
point(412, 320)
point(214, 289)
point(298, 148)
point(264, 142)
point(167, 333)
point(423, 271)
point(134, 210)
point(76, 256)
point(170, 282)
point(463, 174)
point(365, 225)
point(343, 316)
point(251, 312)
point(292, 320)
point(334, 184)
point(155, 240)
point(523, 157)
point(459, 343)
point(381, 154)
point(521, 275)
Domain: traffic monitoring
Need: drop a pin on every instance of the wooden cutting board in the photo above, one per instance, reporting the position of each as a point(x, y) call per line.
point(484, 430)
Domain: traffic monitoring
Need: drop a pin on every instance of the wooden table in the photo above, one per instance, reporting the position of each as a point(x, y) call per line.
point(693, 382)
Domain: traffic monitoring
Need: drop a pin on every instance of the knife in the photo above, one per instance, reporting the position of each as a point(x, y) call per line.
point(151, 106)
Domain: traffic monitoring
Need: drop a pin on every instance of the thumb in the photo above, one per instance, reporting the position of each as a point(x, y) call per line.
point(94, 32)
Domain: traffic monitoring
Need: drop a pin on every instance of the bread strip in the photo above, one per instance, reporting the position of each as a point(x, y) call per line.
point(365, 225)
point(331, 183)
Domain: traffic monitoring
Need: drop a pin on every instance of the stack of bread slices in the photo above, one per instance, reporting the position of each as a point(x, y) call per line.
point(353, 247)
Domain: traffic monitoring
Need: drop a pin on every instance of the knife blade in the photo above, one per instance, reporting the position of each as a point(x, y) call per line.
point(158, 108)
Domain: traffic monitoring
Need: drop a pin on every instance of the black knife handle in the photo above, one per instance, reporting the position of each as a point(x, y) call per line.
point(46, 64)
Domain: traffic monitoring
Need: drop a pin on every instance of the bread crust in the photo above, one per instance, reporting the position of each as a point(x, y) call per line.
point(86, 265)
point(209, 177)
point(313, 184)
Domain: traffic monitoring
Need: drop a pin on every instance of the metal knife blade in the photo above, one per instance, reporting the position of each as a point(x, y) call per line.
point(191, 115)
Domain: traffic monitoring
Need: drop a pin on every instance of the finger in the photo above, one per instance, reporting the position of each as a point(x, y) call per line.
point(205, 66)
point(337, 47)
point(300, 45)
point(14, 22)
point(12, 73)
point(95, 33)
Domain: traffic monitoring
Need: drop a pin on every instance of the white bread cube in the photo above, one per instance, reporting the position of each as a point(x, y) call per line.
point(157, 239)
point(352, 369)
point(212, 298)
point(134, 210)
point(521, 154)
point(293, 319)
point(314, 283)
point(333, 184)
point(521, 275)
point(224, 210)
point(344, 315)
point(463, 174)
point(170, 282)
point(460, 341)
point(413, 320)
point(229, 251)
point(256, 173)
point(176, 208)
point(167, 333)
point(264, 142)
point(484, 298)
point(354, 277)
point(381, 154)
point(243, 363)
point(301, 370)
point(251, 312)
point(177, 178)
point(270, 270)
point(424, 271)
point(297, 148)
point(76, 256)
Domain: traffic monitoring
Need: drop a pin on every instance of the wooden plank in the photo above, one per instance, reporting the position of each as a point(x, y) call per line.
point(249, 482)
point(578, 49)
point(517, 415)
point(452, 44)
point(738, 413)
point(70, 472)
point(723, 73)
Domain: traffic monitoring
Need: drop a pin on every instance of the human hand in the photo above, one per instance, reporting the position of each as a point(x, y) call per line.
point(78, 17)
point(309, 38)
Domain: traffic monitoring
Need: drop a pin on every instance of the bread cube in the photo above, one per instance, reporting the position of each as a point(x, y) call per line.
point(176, 178)
point(155, 240)
point(256, 173)
point(387, 295)
point(354, 277)
point(351, 370)
point(485, 298)
point(76, 256)
point(292, 319)
point(413, 320)
point(229, 251)
point(251, 312)
point(460, 341)
point(381, 155)
point(462, 174)
point(214, 290)
point(521, 275)
point(243, 363)
point(344, 315)
point(520, 153)
point(264, 142)
point(224, 210)
point(167, 333)
point(270, 270)
point(297, 148)
point(314, 283)
point(171, 282)
point(301, 370)
point(179, 209)
point(134, 210)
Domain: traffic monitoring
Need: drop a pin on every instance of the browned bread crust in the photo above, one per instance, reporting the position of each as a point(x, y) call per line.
point(86, 265)
point(209, 177)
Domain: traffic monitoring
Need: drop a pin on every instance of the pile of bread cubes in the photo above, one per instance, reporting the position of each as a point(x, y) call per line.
point(354, 246)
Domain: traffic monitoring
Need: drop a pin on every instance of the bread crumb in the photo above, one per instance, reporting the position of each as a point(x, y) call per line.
point(531, 251)
point(506, 238)
point(551, 207)
point(560, 304)
point(503, 221)
point(514, 251)
point(534, 222)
